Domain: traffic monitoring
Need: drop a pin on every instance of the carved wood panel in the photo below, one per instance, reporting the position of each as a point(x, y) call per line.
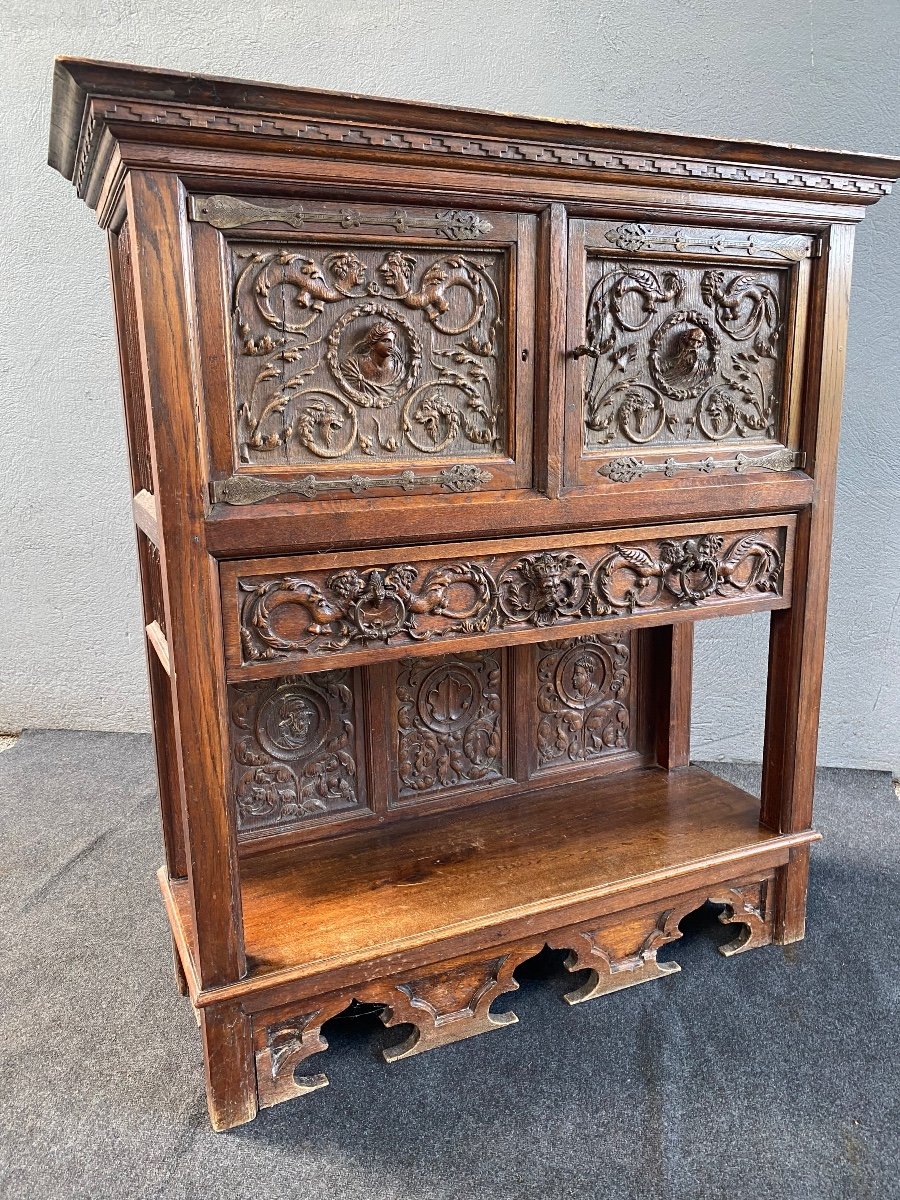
point(686, 354)
point(450, 723)
point(584, 699)
point(371, 348)
point(302, 613)
point(296, 751)
point(687, 343)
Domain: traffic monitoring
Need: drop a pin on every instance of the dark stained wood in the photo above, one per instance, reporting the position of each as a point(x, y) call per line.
point(147, 536)
point(670, 686)
point(278, 528)
point(230, 1071)
point(444, 428)
point(313, 612)
point(797, 643)
point(192, 611)
point(77, 80)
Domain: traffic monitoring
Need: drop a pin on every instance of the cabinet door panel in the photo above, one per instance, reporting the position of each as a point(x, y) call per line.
point(686, 352)
point(372, 351)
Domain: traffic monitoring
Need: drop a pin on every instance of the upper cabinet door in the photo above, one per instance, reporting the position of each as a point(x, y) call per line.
point(372, 350)
point(685, 354)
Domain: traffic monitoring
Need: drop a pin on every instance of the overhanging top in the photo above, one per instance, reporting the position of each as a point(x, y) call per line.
point(95, 102)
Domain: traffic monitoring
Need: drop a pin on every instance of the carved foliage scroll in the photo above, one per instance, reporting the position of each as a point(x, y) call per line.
point(584, 687)
point(681, 353)
point(449, 722)
point(378, 355)
point(327, 612)
point(293, 748)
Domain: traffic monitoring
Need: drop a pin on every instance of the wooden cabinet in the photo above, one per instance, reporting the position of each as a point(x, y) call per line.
point(445, 427)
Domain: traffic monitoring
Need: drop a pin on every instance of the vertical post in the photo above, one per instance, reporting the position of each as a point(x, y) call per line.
point(669, 687)
point(230, 1066)
point(163, 293)
point(550, 342)
point(120, 262)
point(797, 638)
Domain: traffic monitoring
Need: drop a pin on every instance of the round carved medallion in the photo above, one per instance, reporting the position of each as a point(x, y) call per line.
point(374, 354)
point(581, 676)
point(293, 721)
point(448, 698)
point(684, 355)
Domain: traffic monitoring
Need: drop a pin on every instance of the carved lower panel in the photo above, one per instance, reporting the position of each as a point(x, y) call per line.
point(621, 952)
point(449, 723)
point(453, 1003)
point(450, 1001)
point(308, 612)
point(294, 750)
point(281, 1049)
point(584, 692)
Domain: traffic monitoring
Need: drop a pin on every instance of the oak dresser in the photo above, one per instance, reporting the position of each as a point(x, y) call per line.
point(445, 427)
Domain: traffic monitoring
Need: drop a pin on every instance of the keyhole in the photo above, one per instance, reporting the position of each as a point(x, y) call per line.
point(525, 355)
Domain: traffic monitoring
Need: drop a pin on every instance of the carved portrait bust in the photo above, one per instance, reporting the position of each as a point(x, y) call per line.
point(375, 365)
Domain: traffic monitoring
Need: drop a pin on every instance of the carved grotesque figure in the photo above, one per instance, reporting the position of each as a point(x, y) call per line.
point(689, 361)
point(545, 576)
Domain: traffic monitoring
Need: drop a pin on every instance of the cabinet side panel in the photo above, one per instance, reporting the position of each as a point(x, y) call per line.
point(166, 322)
point(152, 584)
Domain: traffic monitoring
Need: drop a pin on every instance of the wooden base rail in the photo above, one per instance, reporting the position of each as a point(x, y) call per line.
point(451, 1000)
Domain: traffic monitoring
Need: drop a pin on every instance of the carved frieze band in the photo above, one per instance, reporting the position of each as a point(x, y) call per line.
point(232, 212)
point(629, 468)
point(254, 489)
point(395, 140)
point(292, 615)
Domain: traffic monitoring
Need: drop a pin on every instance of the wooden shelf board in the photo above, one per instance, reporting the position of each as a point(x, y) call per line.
point(331, 905)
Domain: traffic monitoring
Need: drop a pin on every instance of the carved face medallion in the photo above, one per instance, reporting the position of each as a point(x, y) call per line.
point(375, 362)
point(684, 355)
point(292, 721)
point(581, 676)
point(293, 750)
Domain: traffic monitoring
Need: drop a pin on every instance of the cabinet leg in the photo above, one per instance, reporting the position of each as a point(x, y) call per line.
point(790, 898)
point(230, 1073)
point(181, 982)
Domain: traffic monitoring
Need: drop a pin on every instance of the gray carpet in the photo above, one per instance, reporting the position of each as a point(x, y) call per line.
point(773, 1074)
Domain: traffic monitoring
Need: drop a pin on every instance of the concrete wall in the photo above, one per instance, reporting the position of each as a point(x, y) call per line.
point(815, 71)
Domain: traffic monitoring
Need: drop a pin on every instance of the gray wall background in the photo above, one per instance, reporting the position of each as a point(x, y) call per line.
point(820, 72)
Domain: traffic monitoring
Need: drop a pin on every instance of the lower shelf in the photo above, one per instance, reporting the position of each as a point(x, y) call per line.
point(332, 915)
